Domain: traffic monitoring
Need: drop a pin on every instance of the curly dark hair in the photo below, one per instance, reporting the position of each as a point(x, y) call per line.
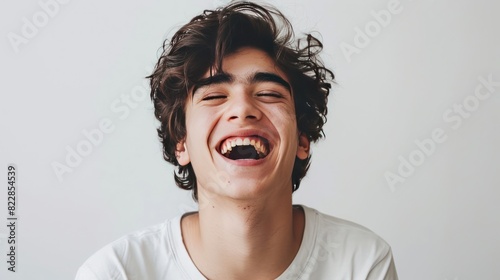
point(203, 43)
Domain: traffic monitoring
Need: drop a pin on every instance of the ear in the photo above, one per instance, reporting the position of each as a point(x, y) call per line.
point(182, 154)
point(303, 146)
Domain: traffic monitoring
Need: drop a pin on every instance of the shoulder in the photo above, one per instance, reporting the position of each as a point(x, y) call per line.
point(131, 254)
point(345, 245)
point(348, 233)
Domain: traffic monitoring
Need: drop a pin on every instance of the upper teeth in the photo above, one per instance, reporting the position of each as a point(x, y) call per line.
point(256, 142)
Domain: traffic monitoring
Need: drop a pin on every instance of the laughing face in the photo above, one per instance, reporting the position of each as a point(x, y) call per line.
point(242, 136)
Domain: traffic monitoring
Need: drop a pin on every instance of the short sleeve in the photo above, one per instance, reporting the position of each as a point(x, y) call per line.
point(384, 269)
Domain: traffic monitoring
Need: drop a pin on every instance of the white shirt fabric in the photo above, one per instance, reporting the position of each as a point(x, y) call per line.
point(331, 249)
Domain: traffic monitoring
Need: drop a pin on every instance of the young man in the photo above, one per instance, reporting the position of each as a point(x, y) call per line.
point(239, 102)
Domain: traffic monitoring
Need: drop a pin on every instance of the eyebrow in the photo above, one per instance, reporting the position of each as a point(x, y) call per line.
point(270, 77)
point(222, 78)
point(218, 78)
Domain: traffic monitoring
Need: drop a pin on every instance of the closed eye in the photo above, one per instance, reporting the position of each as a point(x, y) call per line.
point(270, 94)
point(213, 97)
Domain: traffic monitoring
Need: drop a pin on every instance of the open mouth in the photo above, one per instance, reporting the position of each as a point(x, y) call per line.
point(249, 147)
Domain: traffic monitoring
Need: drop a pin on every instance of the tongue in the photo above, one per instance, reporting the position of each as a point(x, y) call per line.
point(243, 152)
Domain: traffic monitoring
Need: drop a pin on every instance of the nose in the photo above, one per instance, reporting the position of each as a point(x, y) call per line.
point(243, 108)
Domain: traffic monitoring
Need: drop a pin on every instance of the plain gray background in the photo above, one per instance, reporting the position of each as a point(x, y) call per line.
point(84, 64)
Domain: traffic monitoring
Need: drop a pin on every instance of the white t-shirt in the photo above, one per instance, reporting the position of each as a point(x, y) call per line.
point(331, 248)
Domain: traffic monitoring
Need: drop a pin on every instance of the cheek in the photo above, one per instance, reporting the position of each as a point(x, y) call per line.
point(286, 124)
point(195, 120)
point(284, 119)
point(199, 127)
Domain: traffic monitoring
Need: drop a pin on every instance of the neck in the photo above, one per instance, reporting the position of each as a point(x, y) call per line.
point(244, 239)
